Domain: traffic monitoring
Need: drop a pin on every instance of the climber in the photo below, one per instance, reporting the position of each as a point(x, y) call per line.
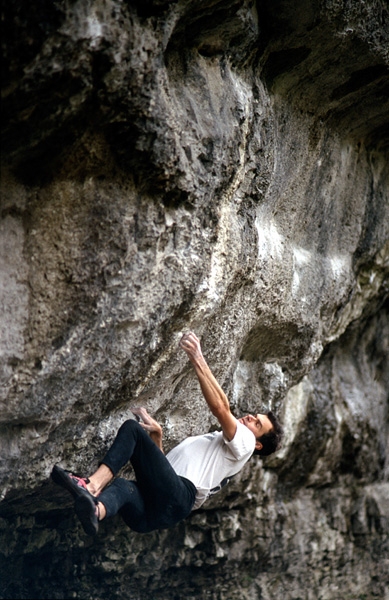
point(167, 488)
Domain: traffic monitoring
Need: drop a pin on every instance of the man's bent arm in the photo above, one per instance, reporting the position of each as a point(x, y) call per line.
point(212, 392)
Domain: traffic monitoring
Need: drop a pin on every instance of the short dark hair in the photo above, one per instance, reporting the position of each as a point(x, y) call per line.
point(270, 441)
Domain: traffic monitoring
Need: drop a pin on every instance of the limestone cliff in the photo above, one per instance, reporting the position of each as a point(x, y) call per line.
point(220, 166)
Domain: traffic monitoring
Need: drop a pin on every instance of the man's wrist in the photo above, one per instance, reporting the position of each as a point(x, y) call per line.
point(157, 433)
point(198, 360)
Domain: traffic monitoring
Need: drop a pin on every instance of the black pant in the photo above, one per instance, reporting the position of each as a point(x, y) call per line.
point(159, 498)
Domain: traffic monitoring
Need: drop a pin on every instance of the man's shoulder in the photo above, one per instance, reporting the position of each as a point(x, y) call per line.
point(243, 441)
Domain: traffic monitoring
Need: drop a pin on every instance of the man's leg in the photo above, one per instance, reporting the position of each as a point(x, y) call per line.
point(131, 439)
point(99, 480)
point(86, 490)
point(159, 497)
point(117, 457)
point(124, 497)
point(153, 472)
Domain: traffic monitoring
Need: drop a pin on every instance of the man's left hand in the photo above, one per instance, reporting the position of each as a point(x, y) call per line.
point(149, 424)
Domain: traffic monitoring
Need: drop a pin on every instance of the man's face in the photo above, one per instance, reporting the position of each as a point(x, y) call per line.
point(259, 425)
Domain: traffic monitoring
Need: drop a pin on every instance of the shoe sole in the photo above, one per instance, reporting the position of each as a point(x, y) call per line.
point(85, 508)
point(60, 477)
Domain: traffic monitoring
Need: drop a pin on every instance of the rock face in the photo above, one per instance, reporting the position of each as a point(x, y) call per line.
point(220, 166)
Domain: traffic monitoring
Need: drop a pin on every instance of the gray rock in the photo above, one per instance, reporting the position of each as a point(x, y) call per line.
point(220, 166)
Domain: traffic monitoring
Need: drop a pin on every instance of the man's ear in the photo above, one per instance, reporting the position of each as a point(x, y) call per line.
point(258, 445)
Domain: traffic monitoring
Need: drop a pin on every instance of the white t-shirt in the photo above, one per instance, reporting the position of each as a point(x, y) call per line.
point(208, 460)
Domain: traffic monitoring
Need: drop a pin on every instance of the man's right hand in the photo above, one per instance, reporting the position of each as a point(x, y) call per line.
point(190, 343)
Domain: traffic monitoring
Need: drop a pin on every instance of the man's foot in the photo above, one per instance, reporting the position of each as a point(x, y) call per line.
point(77, 486)
point(87, 511)
point(85, 504)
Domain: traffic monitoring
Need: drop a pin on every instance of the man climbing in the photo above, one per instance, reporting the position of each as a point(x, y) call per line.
point(168, 488)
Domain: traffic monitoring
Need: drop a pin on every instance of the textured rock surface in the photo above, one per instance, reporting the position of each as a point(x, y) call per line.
point(219, 166)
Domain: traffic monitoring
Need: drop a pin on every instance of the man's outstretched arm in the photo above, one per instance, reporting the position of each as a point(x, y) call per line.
point(212, 392)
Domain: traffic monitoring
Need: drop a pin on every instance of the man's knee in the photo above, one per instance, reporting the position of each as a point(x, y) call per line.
point(130, 427)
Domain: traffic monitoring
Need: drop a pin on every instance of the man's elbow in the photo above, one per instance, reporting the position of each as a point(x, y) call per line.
point(221, 411)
